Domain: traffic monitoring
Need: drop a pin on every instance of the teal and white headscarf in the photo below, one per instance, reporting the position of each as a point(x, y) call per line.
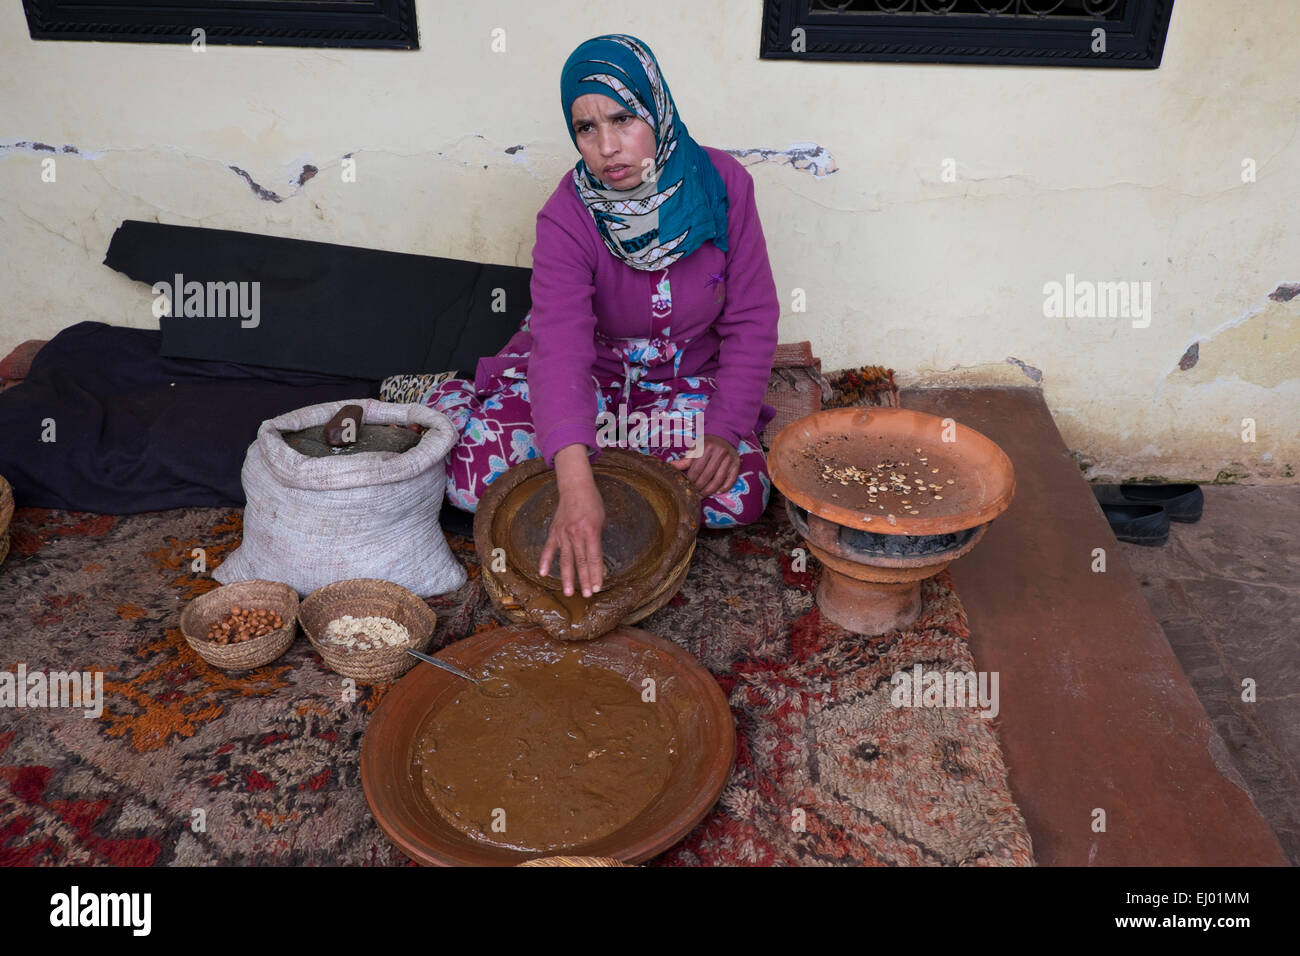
point(685, 203)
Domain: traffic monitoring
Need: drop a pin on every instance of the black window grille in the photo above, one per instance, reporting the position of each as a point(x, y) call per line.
point(375, 24)
point(1079, 33)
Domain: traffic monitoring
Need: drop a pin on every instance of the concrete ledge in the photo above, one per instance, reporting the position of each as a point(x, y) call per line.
point(1095, 710)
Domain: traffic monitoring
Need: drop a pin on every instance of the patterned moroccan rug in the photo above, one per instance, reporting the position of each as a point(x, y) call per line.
point(190, 765)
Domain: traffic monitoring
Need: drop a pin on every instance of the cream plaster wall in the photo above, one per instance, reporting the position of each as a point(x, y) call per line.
point(1107, 175)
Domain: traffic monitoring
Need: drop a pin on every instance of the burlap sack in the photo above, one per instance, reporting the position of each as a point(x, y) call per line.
point(313, 521)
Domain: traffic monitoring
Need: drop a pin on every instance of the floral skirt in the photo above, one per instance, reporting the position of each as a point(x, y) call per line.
point(495, 422)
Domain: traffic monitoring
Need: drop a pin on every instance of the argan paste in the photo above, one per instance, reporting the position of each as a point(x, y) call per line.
point(557, 754)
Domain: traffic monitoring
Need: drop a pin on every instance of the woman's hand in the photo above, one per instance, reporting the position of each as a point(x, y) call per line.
point(577, 525)
point(716, 470)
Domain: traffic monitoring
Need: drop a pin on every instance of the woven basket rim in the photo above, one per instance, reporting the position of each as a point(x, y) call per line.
point(548, 861)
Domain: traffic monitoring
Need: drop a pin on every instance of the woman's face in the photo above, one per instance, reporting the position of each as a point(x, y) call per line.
point(615, 143)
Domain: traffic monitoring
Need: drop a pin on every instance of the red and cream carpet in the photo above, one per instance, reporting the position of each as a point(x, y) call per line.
point(191, 765)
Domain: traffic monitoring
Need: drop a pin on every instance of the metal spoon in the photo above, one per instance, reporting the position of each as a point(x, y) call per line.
point(455, 670)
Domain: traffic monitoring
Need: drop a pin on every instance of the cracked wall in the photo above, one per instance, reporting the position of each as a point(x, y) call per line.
point(918, 209)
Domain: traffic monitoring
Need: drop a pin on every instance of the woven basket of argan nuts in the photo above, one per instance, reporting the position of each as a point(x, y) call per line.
point(241, 626)
point(362, 628)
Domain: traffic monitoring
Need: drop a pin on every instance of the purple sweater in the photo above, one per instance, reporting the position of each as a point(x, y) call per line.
point(726, 331)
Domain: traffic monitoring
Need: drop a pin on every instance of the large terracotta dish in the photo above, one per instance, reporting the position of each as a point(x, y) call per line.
point(705, 731)
point(862, 437)
point(652, 516)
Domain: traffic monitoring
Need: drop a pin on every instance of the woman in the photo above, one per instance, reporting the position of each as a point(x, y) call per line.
point(610, 332)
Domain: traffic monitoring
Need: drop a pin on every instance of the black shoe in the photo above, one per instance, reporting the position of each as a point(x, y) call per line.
point(1138, 524)
point(1183, 502)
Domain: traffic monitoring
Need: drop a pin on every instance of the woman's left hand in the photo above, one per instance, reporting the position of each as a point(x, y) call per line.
point(716, 470)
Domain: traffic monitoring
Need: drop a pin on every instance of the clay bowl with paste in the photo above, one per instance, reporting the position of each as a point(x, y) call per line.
point(652, 517)
point(695, 708)
point(876, 553)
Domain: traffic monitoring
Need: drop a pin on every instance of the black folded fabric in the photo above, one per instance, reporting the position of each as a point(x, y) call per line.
point(321, 307)
point(135, 431)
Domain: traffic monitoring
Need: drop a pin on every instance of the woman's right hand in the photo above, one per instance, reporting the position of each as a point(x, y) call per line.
point(577, 525)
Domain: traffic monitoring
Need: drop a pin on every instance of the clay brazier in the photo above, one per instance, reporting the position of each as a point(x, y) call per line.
point(885, 498)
